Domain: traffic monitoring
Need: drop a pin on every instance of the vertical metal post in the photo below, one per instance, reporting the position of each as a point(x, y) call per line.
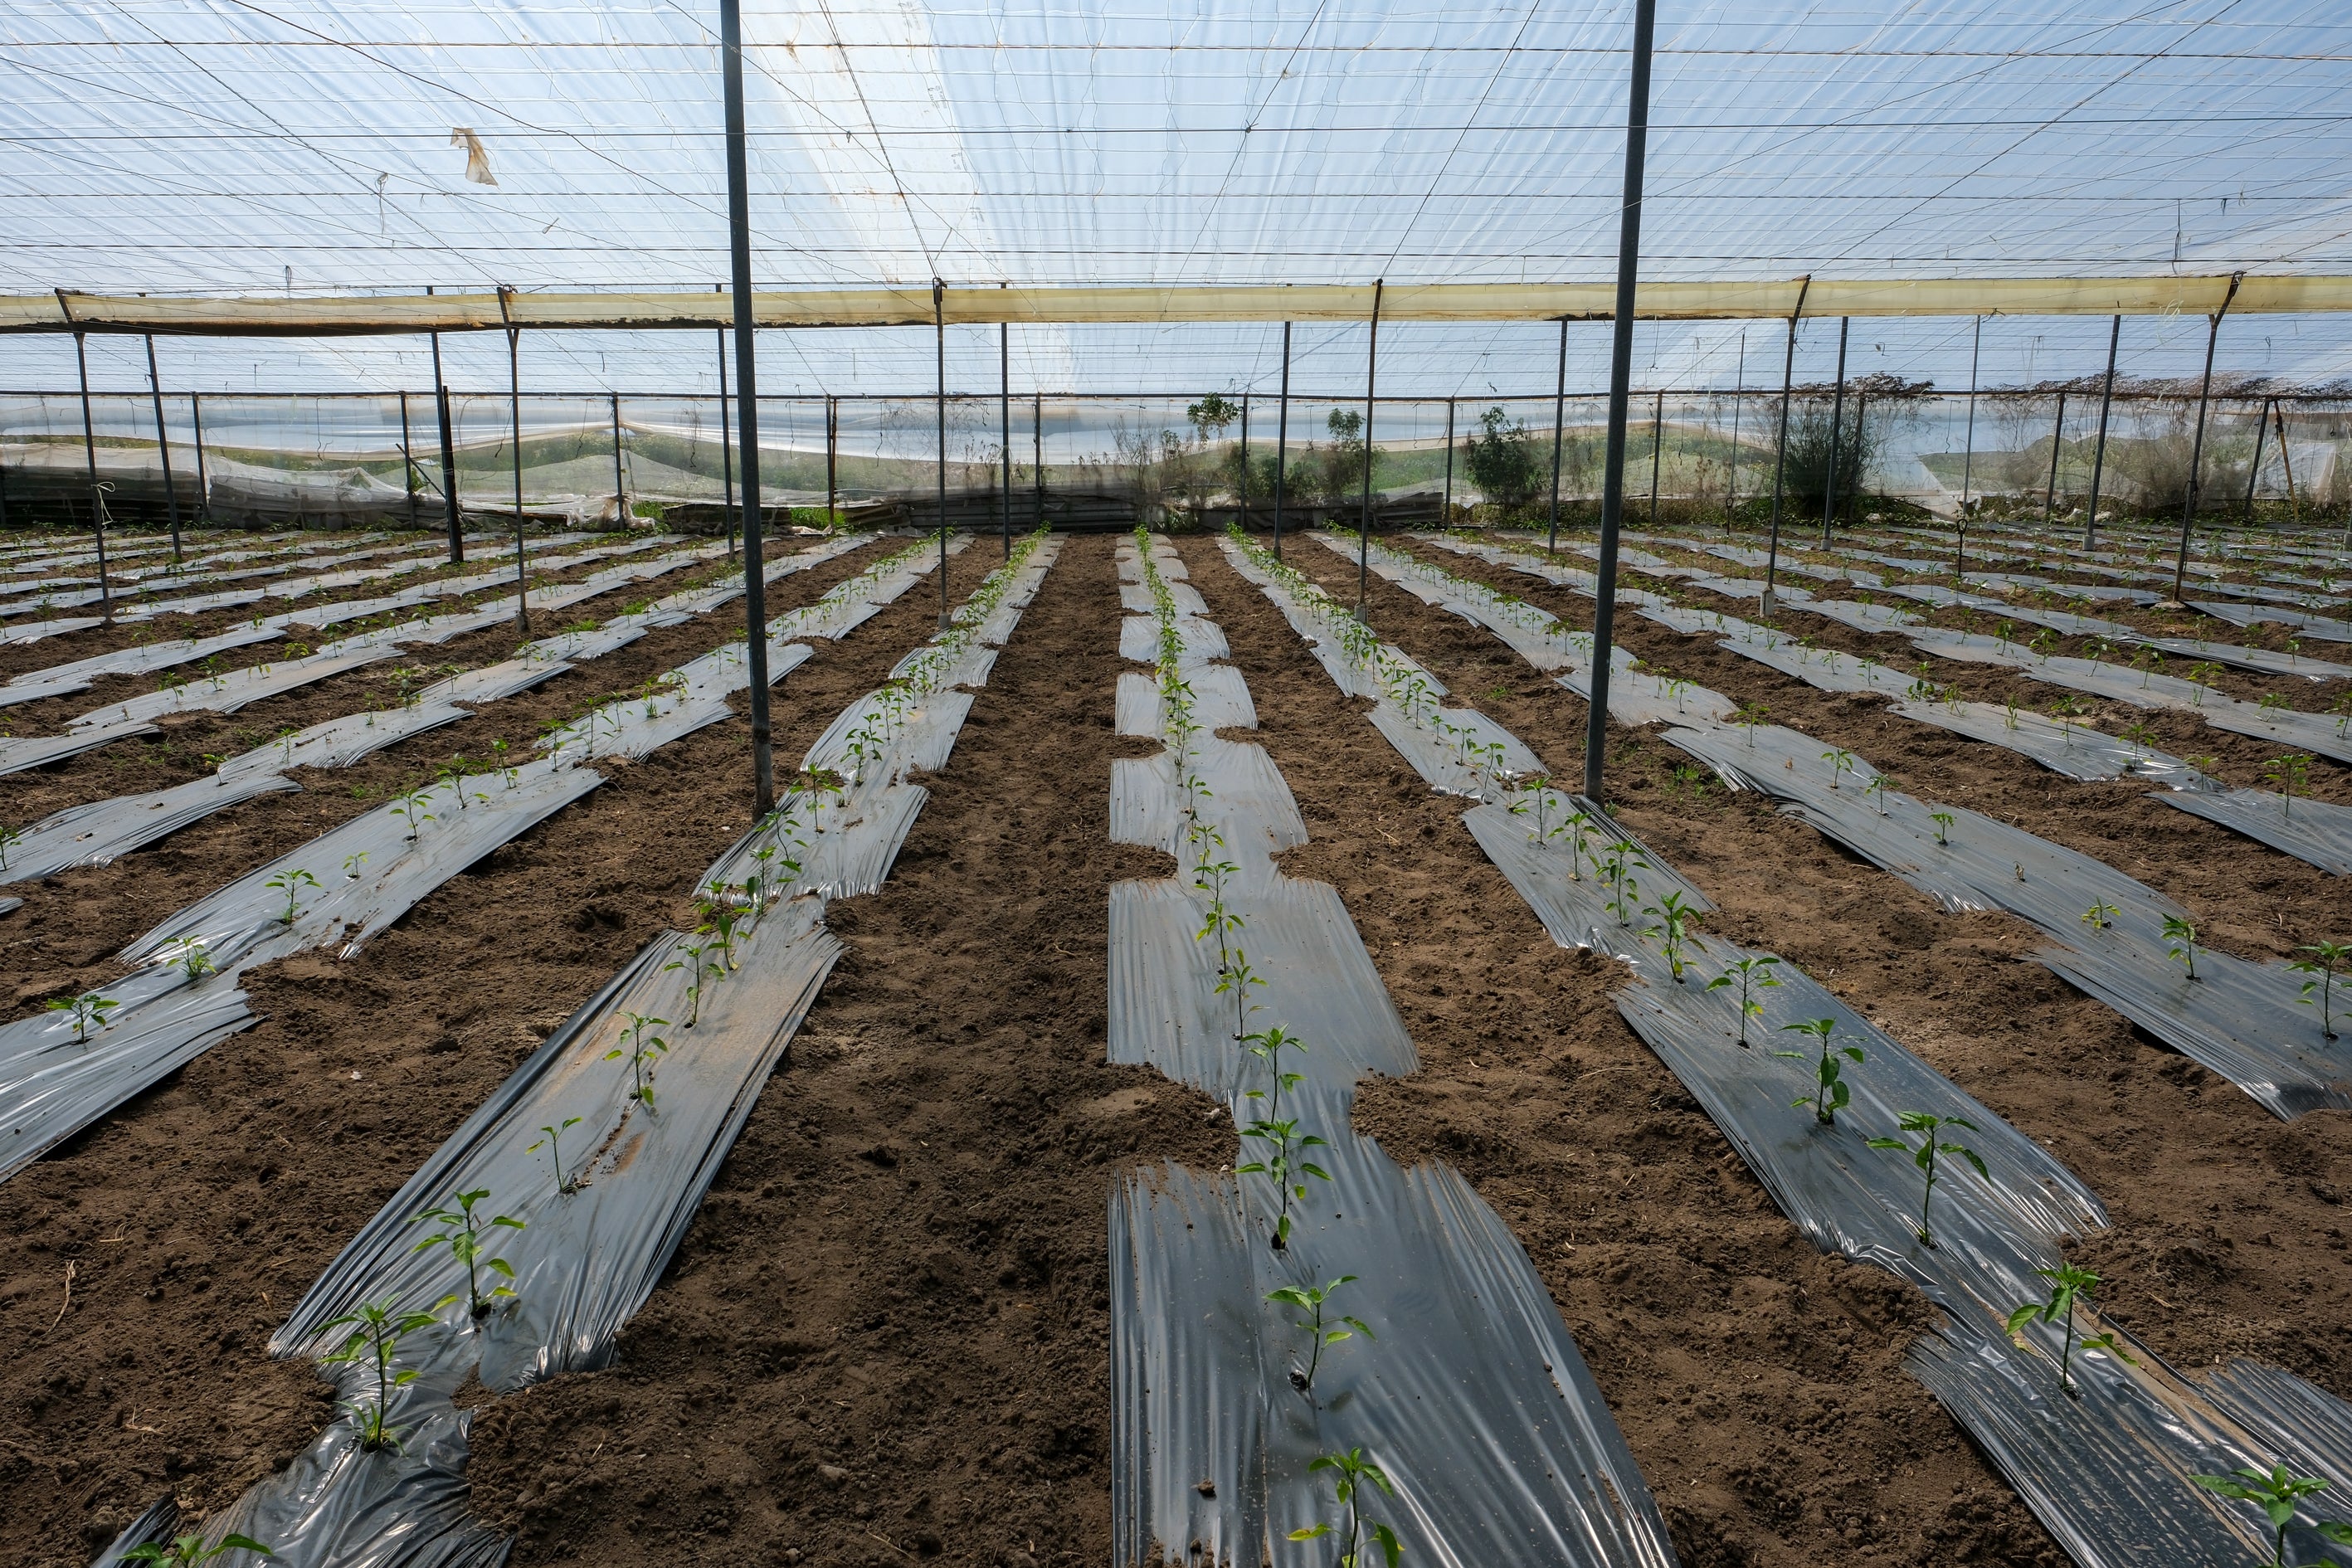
point(1657, 449)
point(204, 484)
point(96, 505)
point(2197, 447)
point(1731, 480)
point(2099, 453)
point(1621, 376)
point(1004, 421)
point(1241, 492)
point(514, 416)
point(1445, 507)
point(448, 454)
point(1770, 604)
point(2255, 469)
point(1558, 436)
point(747, 388)
point(1037, 453)
point(1282, 441)
point(1968, 458)
point(832, 457)
point(163, 445)
point(2287, 460)
point(620, 479)
point(940, 342)
point(2057, 440)
point(407, 461)
point(1364, 521)
point(1837, 434)
point(726, 451)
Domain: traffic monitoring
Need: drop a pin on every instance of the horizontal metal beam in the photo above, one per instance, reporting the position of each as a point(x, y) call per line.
point(352, 315)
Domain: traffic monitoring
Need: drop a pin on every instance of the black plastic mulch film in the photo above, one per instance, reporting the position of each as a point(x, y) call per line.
point(1472, 1397)
point(2108, 1473)
point(598, 1232)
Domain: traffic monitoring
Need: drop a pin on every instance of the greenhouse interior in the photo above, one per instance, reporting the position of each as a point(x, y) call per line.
point(1041, 785)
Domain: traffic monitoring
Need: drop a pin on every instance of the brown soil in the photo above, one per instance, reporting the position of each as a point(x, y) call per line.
point(2228, 1235)
point(191, 1217)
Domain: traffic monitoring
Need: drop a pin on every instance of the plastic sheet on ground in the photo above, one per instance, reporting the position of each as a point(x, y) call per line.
point(2334, 628)
point(20, 753)
point(64, 680)
point(2077, 750)
point(2311, 830)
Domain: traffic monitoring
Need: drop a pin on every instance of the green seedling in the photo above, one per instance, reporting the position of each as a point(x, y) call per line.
point(1349, 1472)
point(1751, 715)
point(499, 762)
point(1840, 761)
point(195, 962)
point(718, 917)
point(1267, 1044)
point(377, 1328)
point(1236, 977)
point(1943, 821)
point(2181, 940)
point(291, 884)
point(465, 1234)
point(555, 1151)
point(1618, 863)
point(2325, 958)
point(189, 1551)
point(2200, 675)
point(2068, 1285)
point(2290, 772)
point(1285, 1167)
point(2272, 699)
point(2148, 659)
point(1676, 930)
point(1924, 1157)
point(2276, 1494)
point(411, 810)
point(2008, 713)
point(701, 970)
point(85, 1010)
point(2101, 915)
point(2141, 736)
point(9, 839)
point(1877, 784)
point(1313, 1299)
point(1830, 1093)
point(1750, 974)
point(2043, 641)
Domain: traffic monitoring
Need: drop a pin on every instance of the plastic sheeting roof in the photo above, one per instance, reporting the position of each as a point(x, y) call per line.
point(233, 146)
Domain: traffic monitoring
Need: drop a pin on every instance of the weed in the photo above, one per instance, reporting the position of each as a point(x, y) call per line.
point(2324, 958)
point(1679, 923)
point(377, 1328)
point(2101, 915)
point(1943, 821)
point(1284, 1166)
point(1924, 1156)
point(2181, 939)
point(291, 884)
point(2068, 1285)
point(1750, 974)
point(1312, 1301)
point(2288, 772)
point(463, 1234)
point(1830, 1093)
point(2276, 1494)
point(1349, 1472)
point(86, 1009)
point(555, 1151)
point(189, 1550)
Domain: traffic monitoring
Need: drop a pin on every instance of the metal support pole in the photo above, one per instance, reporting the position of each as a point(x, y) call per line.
point(1621, 376)
point(204, 484)
point(96, 505)
point(1004, 421)
point(448, 454)
point(620, 478)
point(2099, 453)
point(2197, 447)
point(1968, 456)
point(163, 445)
point(1731, 479)
point(1837, 434)
point(1364, 522)
point(1770, 602)
point(2287, 461)
point(407, 461)
point(1037, 453)
point(514, 416)
point(2254, 469)
point(940, 342)
point(1240, 493)
point(747, 387)
point(1445, 507)
point(1559, 435)
point(1282, 441)
point(726, 448)
point(1657, 449)
point(2057, 440)
point(832, 457)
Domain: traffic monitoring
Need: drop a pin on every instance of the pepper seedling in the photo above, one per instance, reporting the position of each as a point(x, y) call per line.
point(291, 884)
point(1678, 924)
point(1267, 1044)
point(189, 1550)
point(86, 1009)
point(1283, 1168)
point(9, 838)
point(641, 1048)
point(2181, 939)
point(1830, 1093)
point(1349, 1472)
point(1618, 863)
point(1840, 761)
point(1750, 974)
point(554, 1141)
point(1924, 1156)
point(2276, 1494)
point(1312, 1299)
point(1943, 821)
point(464, 1233)
point(377, 1328)
point(2068, 1285)
point(2101, 915)
point(2288, 772)
point(195, 962)
point(2325, 957)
